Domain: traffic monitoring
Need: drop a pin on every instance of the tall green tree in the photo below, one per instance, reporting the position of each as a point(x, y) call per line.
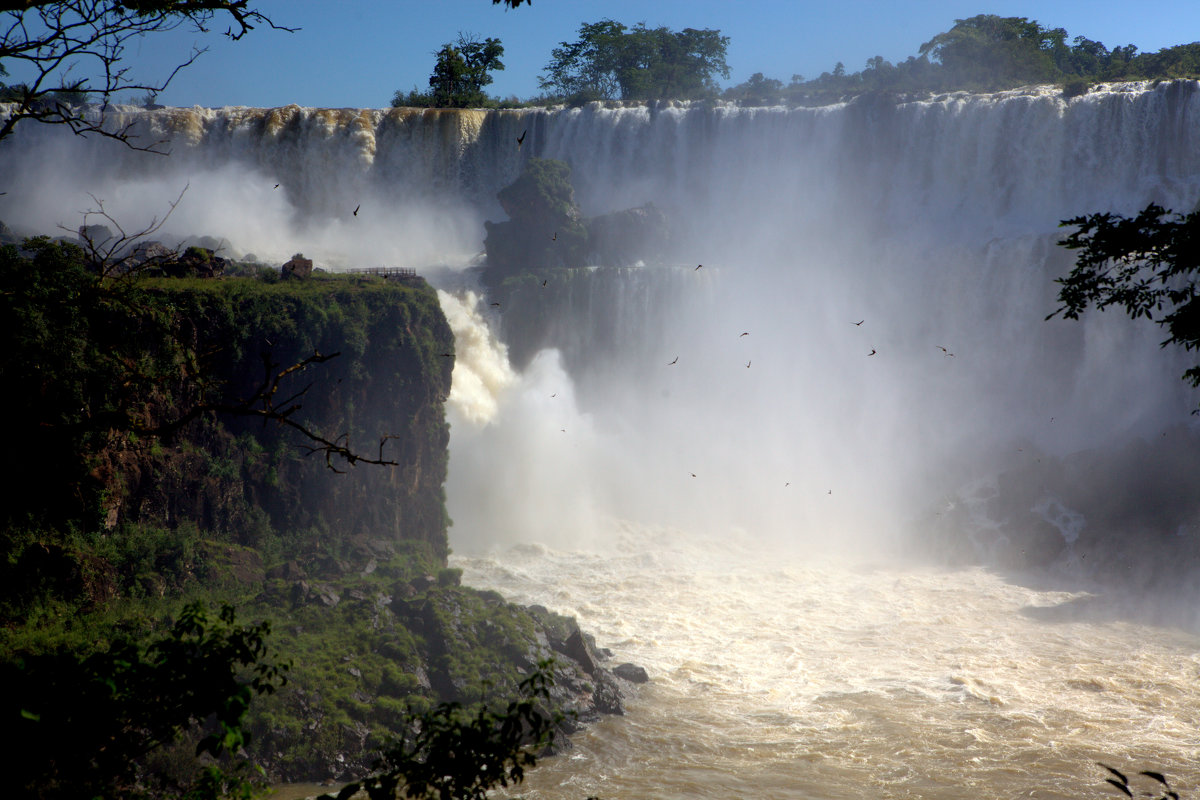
point(460, 72)
point(612, 61)
point(986, 50)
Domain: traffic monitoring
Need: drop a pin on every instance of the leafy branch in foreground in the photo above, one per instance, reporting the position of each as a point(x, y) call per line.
point(1145, 264)
point(448, 753)
point(82, 725)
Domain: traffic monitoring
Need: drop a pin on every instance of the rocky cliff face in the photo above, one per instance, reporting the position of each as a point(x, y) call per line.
point(380, 394)
point(346, 558)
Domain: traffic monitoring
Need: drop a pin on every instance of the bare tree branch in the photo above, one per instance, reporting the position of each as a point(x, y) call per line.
point(56, 41)
point(118, 261)
point(119, 255)
point(262, 404)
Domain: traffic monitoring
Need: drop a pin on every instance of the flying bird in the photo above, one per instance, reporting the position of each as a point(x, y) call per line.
point(698, 266)
point(872, 352)
point(747, 365)
point(356, 208)
point(277, 186)
point(860, 322)
point(495, 305)
point(944, 350)
point(447, 355)
point(544, 282)
point(740, 335)
point(692, 474)
point(672, 362)
point(554, 395)
point(789, 483)
point(554, 238)
point(521, 139)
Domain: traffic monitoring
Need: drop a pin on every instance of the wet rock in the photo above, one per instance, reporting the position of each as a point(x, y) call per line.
point(288, 571)
point(606, 696)
point(631, 672)
point(423, 583)
point(326, 595)
point(579, 650)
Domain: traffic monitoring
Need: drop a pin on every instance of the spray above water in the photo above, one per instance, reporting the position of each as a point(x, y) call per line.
point(520, 450)
point(931, 223)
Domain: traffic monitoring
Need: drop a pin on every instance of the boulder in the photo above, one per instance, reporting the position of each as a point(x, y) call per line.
point(579, 650)
point(631, 672)
point(298, 267)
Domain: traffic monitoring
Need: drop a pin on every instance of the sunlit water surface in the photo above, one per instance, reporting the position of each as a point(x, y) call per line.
point(775, 677)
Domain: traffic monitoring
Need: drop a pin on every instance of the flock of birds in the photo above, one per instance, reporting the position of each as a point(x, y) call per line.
point(554, 237)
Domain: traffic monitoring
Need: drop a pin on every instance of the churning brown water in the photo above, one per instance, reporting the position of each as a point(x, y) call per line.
point(775, 677)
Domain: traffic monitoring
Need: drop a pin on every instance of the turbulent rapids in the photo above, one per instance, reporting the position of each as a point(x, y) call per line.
point(844, 363)
point(773, 677)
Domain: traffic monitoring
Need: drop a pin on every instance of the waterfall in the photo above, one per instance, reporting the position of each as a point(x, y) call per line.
point(932, 222)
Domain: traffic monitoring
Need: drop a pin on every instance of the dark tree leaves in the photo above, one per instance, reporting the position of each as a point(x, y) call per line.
point(1145, 264)
point(612, 61)
point(80, 725)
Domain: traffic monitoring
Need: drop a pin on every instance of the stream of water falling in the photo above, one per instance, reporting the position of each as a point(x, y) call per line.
point(776, 677)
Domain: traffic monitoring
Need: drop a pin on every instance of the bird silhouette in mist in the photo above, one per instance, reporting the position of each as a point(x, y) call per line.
point(554, 238)
point(946, 352)
point(860, 322)
point(698, 266)
point(747, 365)
point(356, 208)
point(277, 186)
point(740, 335)
point(692, 474)
point(521, 139)
point(544, 283)
point(872, 352)
point(495, 305)
point(669, 363)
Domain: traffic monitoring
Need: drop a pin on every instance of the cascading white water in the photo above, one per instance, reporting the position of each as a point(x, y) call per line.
point(933, 224)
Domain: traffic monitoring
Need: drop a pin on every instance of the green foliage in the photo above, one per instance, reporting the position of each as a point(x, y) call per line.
point(449, 753)
point(545, 229)
point(611, 61)
point(140, 393)
point(988, 51)
point(83, 357)
point(459, 75)
point(1146, 264)
point(982, 53)
point(83, 723)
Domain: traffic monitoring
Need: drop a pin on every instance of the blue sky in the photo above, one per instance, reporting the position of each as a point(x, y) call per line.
point(357, 53)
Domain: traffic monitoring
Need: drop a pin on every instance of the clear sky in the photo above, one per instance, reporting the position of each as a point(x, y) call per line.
point(357, 53)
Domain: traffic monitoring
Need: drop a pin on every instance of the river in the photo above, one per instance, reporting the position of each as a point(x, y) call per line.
point(776, 677)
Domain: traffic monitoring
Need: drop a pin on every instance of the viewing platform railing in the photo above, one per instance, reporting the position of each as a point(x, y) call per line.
point(385, 272)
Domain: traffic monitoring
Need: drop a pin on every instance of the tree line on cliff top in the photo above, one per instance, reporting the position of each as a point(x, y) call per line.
point(612, 61)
